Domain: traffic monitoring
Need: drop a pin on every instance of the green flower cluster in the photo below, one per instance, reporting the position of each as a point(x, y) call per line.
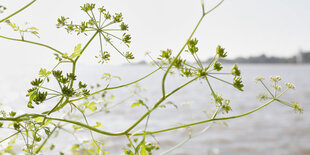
point(103, 26)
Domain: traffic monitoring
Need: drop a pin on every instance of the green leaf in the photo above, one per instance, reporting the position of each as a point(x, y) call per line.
point(76, 127)
point(140, 102)
point(143, 150)
point(98, 124)
point(44, 72)
point(77, 51)
point(91, 106)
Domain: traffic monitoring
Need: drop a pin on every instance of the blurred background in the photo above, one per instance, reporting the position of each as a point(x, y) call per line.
point(265, 37)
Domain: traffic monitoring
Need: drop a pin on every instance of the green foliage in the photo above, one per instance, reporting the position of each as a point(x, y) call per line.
point(73, 102)
point(21, 31)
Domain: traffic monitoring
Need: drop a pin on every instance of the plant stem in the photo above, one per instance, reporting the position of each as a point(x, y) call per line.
point(220, 80)
point(189, 38)
point(209, 120)
point(9, 136)
point(175, 59)
point(116, 86)
point(31, 42)
point(41, 146)
point(16, 12)
point(157, 104)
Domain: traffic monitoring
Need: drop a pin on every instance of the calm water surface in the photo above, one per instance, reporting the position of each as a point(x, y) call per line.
point(276, 129)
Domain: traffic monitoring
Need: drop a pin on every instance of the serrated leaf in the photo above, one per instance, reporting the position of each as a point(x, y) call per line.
point(91, 106)
point(44, 72)
point(98, 124)
point(77, 51)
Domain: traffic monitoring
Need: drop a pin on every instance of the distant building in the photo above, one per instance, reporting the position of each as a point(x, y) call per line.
point(303, 57)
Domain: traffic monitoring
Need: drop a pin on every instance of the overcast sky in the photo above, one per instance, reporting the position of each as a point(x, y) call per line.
point(243, 27)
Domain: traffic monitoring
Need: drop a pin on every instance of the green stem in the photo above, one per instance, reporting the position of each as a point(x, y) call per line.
point(267, 88)
point(282, 93)
point(51, 90)
point(107, 40)
point(41, 146)
point(23, 8)
point(112, 30)
point(116, 86)
point(213, 93)
point(209, 120)
point(59, 102)
point(220, 73)
point(174, 60)
point(189, 38)
point(31, 42)
point(157, 104)
point(91, 39)
point(9, 136)
point(220, 80)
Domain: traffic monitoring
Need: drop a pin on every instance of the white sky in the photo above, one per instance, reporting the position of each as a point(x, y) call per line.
point(243, 27)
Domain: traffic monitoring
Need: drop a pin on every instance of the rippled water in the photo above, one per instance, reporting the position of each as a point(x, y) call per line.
point(276, 129)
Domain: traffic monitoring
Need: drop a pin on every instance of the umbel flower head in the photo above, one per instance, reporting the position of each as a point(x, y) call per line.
point(103, 26)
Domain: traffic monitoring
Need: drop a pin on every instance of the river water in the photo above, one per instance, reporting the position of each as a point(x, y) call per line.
point(275, 129)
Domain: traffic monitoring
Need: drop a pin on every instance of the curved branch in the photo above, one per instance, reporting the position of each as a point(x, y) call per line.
point(23, 8)
point(31, 42)
point(206, 121)
point(110, 88)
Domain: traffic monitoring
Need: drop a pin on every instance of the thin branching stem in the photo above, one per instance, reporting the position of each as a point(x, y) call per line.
point(209, 120)
point(31, 42)
point(18, 11)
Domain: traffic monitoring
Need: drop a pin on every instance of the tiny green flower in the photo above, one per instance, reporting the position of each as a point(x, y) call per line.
point(69, 92)
point(40, 97)
point(179, 62)
point(202, 72)
point(102, 9)
point(217, 66)
point(81, 85)
point(71, 76)
point(263, 97)
point(118, 17)
point(290, 85)
point(257, 79)
point(235, 71)
point(297, 107)
point(276, 87)
point(103, 56)
point(226, 106)
point(62, 21)
point(57, 74)
point(129, 55)
point(88, 7)
point(221, 52)
point(126, 38)
point(36, 82)
point(275, 78)
point(124, 27)
point(186, 72)
point(166, 54)
point(63, 80)
point(191, 44)
point(238, 83)
point(107, 15)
